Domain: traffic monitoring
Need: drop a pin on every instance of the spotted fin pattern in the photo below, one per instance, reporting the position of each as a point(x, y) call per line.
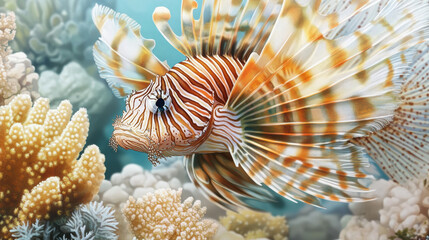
point(124, 58)
point(402, 148)
point(225, 27)
point(305, 96)
point(222, 182)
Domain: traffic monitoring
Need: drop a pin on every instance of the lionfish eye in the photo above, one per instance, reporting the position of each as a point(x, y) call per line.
point(160, 104)
point(159, 101)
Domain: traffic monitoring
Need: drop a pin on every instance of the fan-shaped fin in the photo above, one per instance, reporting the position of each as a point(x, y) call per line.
point(402, 148)
point(222, 182)
point(124, 58)
point(302, 100)
point(225, 27)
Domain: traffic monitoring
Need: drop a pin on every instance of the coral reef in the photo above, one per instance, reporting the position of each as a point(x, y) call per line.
point(54, 32)
point(40, 177)
point(400, 211)
point(16, 72)
point(91, 221)
point(7, 32)
point(161, 215)
point(256, 225)
point(75, 85)
point(135, 181)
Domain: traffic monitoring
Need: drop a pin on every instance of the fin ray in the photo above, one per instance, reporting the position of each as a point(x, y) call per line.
point(401, 148)
point(223, 183)
point(321, 93)
point(124, 58)
point(225, 27)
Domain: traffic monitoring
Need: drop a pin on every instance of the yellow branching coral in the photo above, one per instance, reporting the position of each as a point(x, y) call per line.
point(161, 215)
point(252, 224)
point(40, 177)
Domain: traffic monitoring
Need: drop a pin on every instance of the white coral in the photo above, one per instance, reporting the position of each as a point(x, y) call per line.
point(16, 71)
point(359, 228)
point(398, 208)
point(20, 78)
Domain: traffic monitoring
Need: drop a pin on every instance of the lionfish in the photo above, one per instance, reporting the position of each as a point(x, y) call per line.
point(296, 95)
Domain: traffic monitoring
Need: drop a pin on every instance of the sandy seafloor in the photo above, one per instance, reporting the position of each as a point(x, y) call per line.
point(141, 11)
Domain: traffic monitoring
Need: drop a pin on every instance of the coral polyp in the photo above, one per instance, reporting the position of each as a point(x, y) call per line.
point(40, 176)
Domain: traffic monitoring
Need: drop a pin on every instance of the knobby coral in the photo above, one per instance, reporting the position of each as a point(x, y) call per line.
point(16, 72)
point(40, 177)
point(135, 181)
point(7, 32)
point(161, 215)
point(91, 221)
point(54, 32)
point(253, 225)
point(401, 210)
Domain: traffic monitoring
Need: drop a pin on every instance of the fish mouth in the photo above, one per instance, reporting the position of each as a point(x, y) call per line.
point(129, 137)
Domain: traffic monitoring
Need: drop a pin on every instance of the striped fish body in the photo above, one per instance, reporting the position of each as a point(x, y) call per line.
point(174, 114)
point(289, 94)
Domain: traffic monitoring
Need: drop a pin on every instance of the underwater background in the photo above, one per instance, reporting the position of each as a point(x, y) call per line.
point(57, 36)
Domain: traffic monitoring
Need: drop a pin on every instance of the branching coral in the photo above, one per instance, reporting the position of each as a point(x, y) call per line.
point(40, 177)
point(161, 215)
point(16, 72)
point(404, 211)
point(54, 32)
point(252, 224)
point(75, 85)
point(92, 221)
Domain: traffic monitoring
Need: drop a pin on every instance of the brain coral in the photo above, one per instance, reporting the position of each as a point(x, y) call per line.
point(40, 177)
point(161, 216)
point(54, 32)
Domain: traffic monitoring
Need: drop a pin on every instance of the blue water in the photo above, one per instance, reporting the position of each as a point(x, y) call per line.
point(141, 11)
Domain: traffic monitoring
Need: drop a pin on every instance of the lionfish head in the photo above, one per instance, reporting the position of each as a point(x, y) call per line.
point(156, 122)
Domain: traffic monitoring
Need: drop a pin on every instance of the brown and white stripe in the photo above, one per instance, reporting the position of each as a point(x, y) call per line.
point(194, 86)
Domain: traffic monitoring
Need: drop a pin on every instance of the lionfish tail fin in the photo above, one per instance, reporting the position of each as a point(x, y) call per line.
point(123, 57)
point(235, 28)
point(402, 147)
point(321, 81)
point(223, 183)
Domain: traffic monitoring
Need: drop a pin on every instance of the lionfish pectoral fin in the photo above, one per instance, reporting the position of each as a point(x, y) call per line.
point(328, 172)
point(302, 100)
point(123, 57)
point(402, 147)
point(222, 182)
point(235, 28)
